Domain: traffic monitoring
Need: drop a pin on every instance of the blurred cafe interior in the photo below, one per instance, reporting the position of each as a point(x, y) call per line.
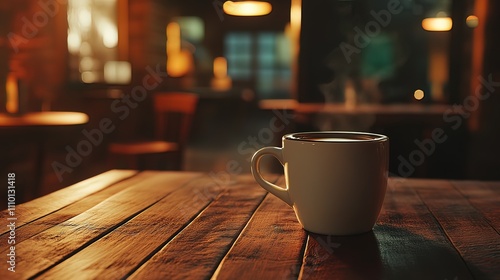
point(82, 81)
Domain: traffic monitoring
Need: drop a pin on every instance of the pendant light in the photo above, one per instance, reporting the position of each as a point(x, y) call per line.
point(438, 19)
point(437, 24)
point(247, 8)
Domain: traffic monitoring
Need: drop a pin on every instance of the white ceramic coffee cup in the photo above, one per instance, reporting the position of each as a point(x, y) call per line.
point(335, 180)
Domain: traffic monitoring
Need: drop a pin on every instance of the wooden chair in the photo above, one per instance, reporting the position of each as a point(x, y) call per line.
point(174, 113)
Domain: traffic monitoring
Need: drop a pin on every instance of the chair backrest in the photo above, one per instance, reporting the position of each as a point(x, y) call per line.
point(174, 115)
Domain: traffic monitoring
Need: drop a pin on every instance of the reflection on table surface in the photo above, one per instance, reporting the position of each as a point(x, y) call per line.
point(48, 118)
point(342, 108)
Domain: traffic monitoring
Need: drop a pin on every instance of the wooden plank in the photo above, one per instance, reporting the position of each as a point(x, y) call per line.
point(42, 206)
point(196, 251)
point(485, 197)
point(270, 247)
point(406, 243)
point(471, 233)
point(70, 211)
point(144, 234)
point(57, 243)
point(342, 257)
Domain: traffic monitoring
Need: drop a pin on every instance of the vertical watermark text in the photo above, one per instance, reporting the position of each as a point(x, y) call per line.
point(11, 221)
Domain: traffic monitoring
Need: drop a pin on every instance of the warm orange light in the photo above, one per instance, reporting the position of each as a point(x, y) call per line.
point(296, 14)
point(178, 61)
point(437, 24)
point(12, 104)
point(350, 98)
point(294, 36)
point(472, 21)
point(221, 81)
point(179, 64)
point(220, 67)
point(419, 94)
point(173, 38)
point(247, 8)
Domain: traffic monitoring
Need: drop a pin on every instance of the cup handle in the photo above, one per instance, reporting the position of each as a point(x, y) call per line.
point(280, 192)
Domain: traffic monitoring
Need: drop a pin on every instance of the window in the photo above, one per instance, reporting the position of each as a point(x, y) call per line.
point(264, 58)
point(239, 55)
point(93, 43)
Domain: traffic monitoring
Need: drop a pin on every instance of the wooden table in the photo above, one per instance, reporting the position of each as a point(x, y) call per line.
point(363, 108)
point(46, 118)
point(402, 113)
point(37, 128)
point(180, 225)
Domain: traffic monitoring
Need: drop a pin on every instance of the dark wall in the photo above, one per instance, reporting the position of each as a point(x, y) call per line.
point(484, 150)
point(319, 36)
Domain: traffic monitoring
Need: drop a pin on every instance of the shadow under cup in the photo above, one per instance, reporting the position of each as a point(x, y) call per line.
point(335, 181)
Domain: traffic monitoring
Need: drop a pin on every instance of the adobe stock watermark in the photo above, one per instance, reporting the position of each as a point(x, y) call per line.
point(318, 254)
point(265, 136)
point(362, 38)
point(31, 26)
point(11, 221)
point(122, 108)
point(326, 246)
point(455, 117)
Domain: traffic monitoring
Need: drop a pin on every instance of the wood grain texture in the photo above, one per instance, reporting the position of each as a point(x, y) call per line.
point(469, 230)
point(180, 225)
point(485, 197)
point(270, 247)
point(413, 244)
point(47, 204)
point(57, 243)
point(196, 252)
point(406, 243)
point(67, 212)
point(133, 241)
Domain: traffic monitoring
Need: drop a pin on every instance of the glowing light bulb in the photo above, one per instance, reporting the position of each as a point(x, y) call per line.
point(472, 21)
point(220, 67)
point(419, 94)
point(12, 104)
point(221, 80)
point(437, 24)
point(247, 8)
point(173, 38)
